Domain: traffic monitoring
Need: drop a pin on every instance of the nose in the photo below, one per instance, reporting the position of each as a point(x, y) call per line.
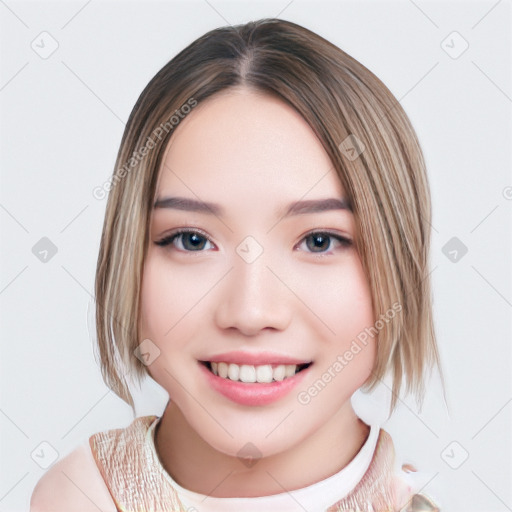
point(253, 298)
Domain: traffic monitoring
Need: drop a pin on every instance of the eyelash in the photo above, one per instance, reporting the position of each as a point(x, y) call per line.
point(168, 240)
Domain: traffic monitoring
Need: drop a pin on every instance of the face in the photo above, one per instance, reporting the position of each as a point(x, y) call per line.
point(250, 285)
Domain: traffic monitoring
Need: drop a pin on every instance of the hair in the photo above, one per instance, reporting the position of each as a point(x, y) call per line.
point(386, 185)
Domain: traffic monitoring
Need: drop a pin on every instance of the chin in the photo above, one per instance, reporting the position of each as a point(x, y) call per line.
point(252, 436)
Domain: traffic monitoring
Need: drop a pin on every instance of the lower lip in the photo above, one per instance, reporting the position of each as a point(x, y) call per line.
point(253, 393)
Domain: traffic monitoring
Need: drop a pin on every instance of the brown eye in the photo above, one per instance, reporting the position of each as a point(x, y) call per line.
point(321, 241)
point(185, 240)
point(193, 241)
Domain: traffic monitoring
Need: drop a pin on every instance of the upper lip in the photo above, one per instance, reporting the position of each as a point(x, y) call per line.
point(256, 358)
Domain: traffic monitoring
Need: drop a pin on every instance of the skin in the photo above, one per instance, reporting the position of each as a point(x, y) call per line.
point(253, 155)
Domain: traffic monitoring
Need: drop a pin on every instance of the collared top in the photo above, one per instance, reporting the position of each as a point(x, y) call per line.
point(137, 481)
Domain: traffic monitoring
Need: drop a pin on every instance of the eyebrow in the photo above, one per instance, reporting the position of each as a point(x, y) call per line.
point(295, 208)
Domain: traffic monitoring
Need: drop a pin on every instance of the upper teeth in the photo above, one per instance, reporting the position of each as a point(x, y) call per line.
point(250, 373)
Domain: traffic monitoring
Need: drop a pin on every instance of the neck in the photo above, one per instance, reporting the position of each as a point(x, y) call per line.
point(198, 467)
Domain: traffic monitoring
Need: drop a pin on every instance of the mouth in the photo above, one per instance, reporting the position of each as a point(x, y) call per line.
point(247, 373)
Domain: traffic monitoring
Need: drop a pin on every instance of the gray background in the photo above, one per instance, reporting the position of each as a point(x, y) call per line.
point(62, 117)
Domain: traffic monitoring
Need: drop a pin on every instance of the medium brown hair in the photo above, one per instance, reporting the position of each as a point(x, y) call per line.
point(343, 102)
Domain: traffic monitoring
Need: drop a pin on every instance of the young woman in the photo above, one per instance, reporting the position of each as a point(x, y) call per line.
point(264, 255)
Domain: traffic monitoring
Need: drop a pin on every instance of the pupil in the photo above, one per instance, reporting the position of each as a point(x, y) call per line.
point(320, 242)
point(195, 241)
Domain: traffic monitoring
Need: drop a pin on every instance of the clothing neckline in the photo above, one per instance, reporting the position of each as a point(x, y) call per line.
point(323, 493)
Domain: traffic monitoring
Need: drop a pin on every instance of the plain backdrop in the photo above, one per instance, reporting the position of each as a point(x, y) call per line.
point(70, 75)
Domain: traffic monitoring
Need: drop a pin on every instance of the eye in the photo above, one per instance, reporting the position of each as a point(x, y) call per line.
point(186, 240)
point(322, 241)
point(189, 240)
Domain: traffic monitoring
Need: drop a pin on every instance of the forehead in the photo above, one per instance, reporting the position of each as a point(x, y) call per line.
point(247, 148)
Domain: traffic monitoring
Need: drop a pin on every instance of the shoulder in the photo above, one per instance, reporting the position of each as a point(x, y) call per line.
point(73, 483)
point(77, 477)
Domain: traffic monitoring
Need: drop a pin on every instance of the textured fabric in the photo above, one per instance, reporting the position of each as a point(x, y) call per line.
point(133, 476)
point(138, 482)
point(375, 491)
point(381, 489)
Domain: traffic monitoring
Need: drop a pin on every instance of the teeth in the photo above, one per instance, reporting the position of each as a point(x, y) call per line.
point(247, 373)
point(222, 368)
point(280, 372)
point(264, 373)
point(250, 373)
point(233, 371)
point(289, 370)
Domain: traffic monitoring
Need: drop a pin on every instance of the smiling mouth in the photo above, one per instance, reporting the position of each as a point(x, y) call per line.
point(248, 373)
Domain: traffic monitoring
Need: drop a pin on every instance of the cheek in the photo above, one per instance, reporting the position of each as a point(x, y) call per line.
point(346, 353)
point(169, 297)
point(343, 303)
point(167, 318)
point(340, 298)
point(154, 302)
